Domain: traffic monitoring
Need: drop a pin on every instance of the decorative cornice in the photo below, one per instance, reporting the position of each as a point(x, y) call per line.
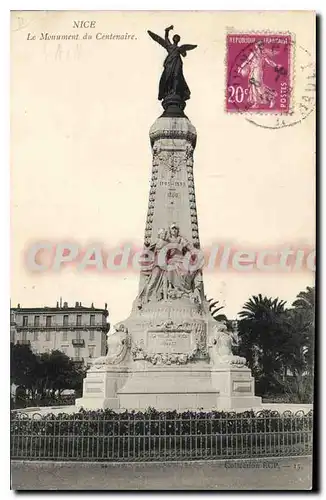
point(139, 353)
point(102, 328)
point(58, 310)
point(188, 135)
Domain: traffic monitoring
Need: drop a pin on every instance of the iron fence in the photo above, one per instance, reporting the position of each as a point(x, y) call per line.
point(109, 436)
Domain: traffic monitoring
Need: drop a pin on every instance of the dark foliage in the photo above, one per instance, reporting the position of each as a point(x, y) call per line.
point(107, 435)
point(278, 343)
point(41, 378)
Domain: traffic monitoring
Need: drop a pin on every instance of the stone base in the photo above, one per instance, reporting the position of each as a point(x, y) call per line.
point(190, 388)
point(100, 387)
point(236, 387)
point(97, 403)
point(196, 386)
point(163, 388)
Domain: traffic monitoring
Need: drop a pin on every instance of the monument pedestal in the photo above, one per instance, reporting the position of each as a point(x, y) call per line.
point(236, 387)
point(100, 387)
point(191, 387)
point(176, 388)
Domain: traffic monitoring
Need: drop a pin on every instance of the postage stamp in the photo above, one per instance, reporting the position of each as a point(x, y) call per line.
point(258, 72)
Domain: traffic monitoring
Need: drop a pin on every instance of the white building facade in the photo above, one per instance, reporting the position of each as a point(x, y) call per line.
point(80, 332)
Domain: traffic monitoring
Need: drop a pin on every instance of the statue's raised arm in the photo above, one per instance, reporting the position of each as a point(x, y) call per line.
point(173, 88)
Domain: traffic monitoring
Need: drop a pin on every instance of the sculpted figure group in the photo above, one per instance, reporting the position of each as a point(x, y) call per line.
point(170, 275)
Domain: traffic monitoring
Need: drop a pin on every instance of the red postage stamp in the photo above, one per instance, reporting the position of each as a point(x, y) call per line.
point(258, 72)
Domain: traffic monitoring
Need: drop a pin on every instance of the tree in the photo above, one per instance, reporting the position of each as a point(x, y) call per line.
point(44, 375)
point(305, 301)
point(300, 349)
point(58, 372)
point(23, 363)
point(278, 344)
point(64, 373)
point(262, 338)
point(304, 309)
point(214, 310)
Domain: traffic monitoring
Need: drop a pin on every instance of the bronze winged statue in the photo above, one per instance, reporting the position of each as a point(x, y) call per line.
point(172, 82)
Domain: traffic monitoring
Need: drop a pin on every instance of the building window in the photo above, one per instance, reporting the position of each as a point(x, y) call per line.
point(79, 319)
point(78, 335)
point(77, 353)
point(65, 320)
point(92, 320)
point(92, 335)
point(36, 321)
point(48, 336)
point(91, 350)
point(48, 320)
point(25, 320)
point(35, 336)
point(64, 336)
point(24, 336)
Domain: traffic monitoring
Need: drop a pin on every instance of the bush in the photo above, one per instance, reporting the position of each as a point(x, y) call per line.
point(107, 435)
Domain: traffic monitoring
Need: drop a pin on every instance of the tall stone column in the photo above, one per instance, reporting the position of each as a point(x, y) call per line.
point(172, 194)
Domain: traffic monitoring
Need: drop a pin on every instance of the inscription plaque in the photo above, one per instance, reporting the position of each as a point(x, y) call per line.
point(93, 389)
point(242, 386)
point(168, 342)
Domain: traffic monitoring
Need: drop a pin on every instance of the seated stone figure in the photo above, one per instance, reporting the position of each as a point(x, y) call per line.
point(220, 346)
point(117, 343)
point(154, 288)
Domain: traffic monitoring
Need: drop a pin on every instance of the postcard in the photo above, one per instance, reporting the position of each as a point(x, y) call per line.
point(163, 249)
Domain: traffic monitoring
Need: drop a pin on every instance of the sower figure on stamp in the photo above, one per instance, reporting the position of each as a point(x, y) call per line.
point(253, 66)
point(172, 81)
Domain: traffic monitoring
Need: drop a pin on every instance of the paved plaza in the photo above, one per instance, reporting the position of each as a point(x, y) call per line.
point(264, 474)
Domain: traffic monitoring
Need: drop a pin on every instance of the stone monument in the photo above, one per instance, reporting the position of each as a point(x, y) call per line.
point(170, 353)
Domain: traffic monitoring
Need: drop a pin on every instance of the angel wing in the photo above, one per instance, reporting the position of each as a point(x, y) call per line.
point(157, 39)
